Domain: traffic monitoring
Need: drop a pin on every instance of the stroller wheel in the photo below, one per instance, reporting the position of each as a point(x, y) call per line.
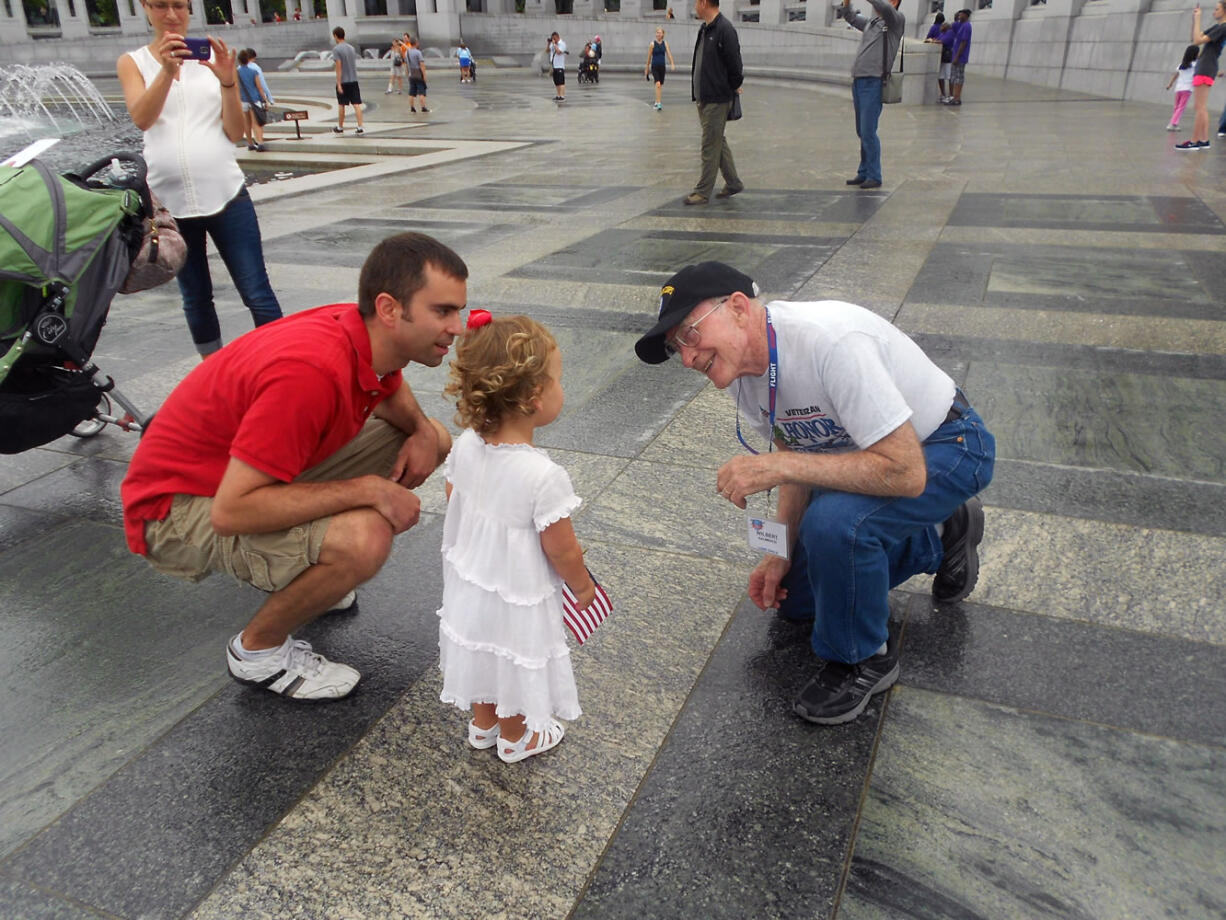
point(93, 426)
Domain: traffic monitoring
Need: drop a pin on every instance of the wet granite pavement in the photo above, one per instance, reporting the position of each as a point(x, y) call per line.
point(1056, 745)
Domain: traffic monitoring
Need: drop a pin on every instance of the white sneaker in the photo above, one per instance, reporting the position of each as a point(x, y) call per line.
point(297, 672)
point(345, 603)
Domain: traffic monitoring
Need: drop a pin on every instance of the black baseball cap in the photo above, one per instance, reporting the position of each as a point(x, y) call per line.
point(682, 293)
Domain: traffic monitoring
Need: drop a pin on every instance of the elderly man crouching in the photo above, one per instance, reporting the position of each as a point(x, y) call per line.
point(879, 459)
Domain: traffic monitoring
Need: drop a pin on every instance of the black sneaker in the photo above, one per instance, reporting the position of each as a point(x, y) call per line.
point(959, 569)
point(839, 692)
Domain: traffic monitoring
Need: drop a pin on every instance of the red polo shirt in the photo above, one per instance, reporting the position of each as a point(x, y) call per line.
point(281, 398)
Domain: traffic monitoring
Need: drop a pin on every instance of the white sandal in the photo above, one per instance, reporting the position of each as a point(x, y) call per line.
point(482, 738)
point(514, 751)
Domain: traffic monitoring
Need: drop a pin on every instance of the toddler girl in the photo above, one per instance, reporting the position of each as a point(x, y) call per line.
point(508, 543)
point(1182, 81)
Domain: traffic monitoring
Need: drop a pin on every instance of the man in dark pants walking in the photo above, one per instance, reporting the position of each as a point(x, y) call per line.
point(715, 81)
point(867, 70)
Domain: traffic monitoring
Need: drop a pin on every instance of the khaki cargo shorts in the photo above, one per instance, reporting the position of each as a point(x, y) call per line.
point(184, 544)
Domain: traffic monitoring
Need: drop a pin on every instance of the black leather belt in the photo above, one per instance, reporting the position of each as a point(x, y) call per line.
point(959, 406)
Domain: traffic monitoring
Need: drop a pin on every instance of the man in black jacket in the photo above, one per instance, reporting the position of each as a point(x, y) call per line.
point(715, 81)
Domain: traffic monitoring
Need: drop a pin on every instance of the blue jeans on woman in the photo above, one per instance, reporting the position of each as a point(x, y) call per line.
point(866, 96)
point(852, 549)
point(236, 234)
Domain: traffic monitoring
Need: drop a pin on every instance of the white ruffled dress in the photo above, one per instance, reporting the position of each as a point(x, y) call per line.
point(501, 638)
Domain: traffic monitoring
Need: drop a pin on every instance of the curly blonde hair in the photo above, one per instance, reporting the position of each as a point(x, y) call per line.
point(499, 368)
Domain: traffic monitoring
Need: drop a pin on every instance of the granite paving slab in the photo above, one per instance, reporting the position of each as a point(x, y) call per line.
point(18, 469)
point(1156, 581)
point(414, 817)
point(76, 707)
point(747, 811)
point(1147, 283)
point(1161, 334)
point(1156, 213)
point(1141, 423)
point(672, 508)
point(85, 489)
point(978, 810)
point(795, 205)
point(1099, 359)
point(157, 835)
point(511, 196)
point(22, 901)
point(618, 256)
point(1076, 670)
point(348, 242)
point(1139, 499)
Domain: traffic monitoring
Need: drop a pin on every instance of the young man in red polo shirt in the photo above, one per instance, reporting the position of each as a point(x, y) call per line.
point(287, 458)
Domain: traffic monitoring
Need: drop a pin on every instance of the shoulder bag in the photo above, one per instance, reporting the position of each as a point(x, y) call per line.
point(891, 81)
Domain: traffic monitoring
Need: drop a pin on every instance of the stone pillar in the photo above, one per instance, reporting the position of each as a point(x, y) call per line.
point(13, 28)
point(132, 21)
point(918, 17)
point(441, 28)
point(1061, 8)
point(634, 9)
point(72, 26)
point(343, 13)
point(772, 13)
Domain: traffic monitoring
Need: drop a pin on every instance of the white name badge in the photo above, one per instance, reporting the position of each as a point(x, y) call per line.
point(768, 536)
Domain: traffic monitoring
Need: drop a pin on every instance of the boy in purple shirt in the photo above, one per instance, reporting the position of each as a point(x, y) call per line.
point(961, 54)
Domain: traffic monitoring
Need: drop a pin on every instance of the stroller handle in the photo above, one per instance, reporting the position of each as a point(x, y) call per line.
point(136, 182)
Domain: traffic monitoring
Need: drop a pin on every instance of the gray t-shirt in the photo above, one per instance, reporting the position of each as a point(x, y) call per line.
point(887, 25)
point(345, 53)
point(847, 378)
point(415, 57)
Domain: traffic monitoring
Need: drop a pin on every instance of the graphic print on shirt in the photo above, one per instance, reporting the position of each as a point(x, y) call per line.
point(808, 429)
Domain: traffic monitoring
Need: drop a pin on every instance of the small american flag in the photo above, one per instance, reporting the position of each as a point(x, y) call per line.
point(582, 623)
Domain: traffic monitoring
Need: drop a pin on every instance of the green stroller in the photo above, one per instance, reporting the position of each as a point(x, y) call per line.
point(66, 245)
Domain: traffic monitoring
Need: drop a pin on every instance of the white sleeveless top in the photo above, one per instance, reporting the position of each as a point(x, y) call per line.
point(192, 166)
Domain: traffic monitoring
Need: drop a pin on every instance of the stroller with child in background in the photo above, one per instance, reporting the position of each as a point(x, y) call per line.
point(589, 65)
point(67, 244)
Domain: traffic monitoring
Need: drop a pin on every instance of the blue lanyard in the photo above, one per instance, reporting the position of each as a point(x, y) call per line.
point(772, 381)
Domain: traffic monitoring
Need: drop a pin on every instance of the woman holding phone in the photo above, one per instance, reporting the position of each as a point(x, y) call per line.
point(185, 99)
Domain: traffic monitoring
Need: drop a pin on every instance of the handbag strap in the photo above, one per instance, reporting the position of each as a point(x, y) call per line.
point(885, 51)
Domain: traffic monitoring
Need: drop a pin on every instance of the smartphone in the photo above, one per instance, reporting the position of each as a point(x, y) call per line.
point(198, 48)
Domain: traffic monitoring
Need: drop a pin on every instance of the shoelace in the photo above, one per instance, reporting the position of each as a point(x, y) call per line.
point(303, 659)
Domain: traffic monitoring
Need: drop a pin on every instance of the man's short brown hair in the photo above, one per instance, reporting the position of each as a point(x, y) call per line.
point(397, 266)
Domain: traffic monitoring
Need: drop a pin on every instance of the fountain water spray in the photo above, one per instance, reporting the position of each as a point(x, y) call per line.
point(32, 94)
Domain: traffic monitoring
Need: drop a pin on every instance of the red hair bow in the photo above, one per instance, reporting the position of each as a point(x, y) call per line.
point(477, 318)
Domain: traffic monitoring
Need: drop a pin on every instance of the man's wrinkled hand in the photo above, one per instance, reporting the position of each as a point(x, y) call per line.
point(741, 477)
point(764, 580)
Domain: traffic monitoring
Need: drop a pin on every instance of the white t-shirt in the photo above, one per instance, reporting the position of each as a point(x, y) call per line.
point(1183, 79)
point(847, 378)
point(557, 57)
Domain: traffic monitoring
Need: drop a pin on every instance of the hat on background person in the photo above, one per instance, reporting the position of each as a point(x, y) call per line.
point(682, 293)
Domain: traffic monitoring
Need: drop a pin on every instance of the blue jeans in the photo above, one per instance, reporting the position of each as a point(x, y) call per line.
point(852, 549)
point(866, 95)
point(236, 234)
point(1221, 124)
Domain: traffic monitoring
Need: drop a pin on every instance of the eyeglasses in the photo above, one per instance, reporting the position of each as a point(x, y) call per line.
point(688, 335)
point(162, 7)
